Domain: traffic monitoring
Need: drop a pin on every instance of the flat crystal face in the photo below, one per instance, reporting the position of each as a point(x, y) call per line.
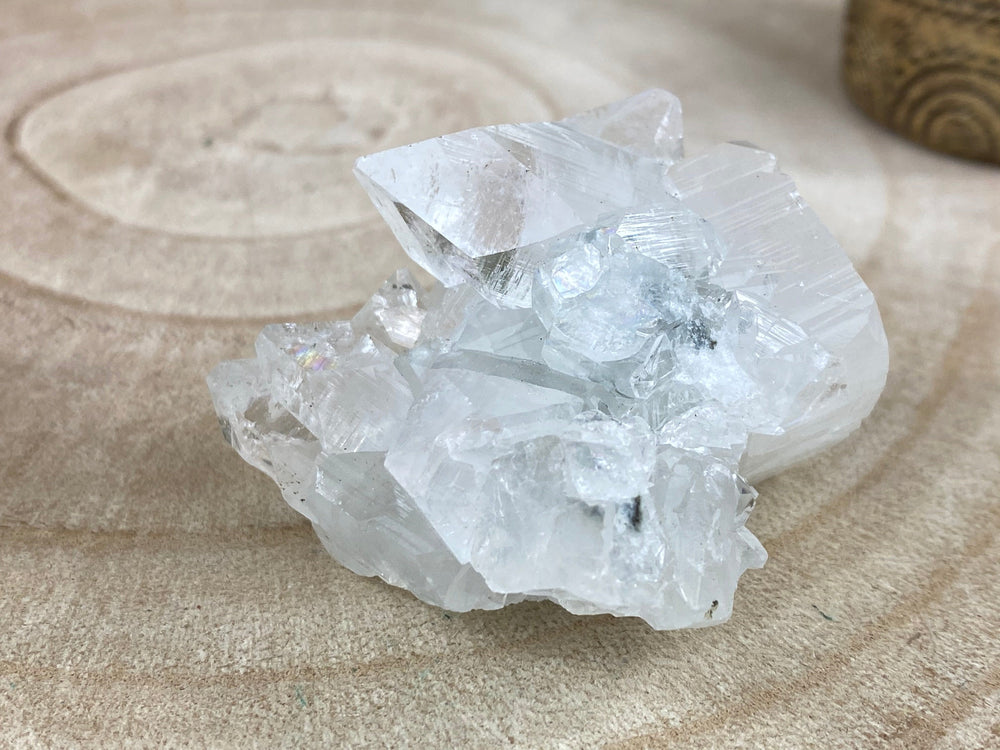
point(619, 341)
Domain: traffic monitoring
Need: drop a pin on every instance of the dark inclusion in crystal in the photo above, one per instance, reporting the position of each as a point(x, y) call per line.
point(620, 340)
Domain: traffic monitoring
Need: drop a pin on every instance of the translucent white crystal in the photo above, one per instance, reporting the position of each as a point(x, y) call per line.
point(620, 340)
point(648, 124)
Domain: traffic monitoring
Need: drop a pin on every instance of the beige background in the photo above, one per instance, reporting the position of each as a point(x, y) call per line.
point(174, 175)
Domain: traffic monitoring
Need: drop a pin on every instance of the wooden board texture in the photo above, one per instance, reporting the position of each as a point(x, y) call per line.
point(176, 174)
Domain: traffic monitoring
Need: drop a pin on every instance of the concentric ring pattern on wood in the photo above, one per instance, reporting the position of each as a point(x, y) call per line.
point(929, 69)
point(174, 177)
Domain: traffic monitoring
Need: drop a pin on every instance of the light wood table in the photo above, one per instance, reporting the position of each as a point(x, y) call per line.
point(176, 174)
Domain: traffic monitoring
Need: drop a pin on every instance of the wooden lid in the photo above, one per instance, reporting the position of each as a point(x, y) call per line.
point(928, 69)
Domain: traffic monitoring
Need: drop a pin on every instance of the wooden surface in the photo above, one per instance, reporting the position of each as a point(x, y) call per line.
point(173, 178)
point(929, 69)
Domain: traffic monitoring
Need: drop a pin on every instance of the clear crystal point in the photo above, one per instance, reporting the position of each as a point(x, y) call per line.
point(621, 338)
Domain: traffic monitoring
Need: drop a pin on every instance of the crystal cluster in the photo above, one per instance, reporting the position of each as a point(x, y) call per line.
point(620, 340)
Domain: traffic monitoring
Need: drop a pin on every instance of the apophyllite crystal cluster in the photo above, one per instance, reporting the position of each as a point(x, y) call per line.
point(620, 341)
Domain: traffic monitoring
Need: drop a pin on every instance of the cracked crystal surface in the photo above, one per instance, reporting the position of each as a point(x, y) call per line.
point(620, 341)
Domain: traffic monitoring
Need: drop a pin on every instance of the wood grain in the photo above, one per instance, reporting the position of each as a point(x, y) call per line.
point(156, 591)
point(929, 69)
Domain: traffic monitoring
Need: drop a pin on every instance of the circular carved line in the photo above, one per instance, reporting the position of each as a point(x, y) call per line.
point(312, 252)
point(255, 140)
point(961, 127)
point(920, 91)
point(897, 52)
point(954, 93)
point(927, 81)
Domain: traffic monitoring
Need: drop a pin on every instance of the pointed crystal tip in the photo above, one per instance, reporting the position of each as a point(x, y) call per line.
point(620, 340)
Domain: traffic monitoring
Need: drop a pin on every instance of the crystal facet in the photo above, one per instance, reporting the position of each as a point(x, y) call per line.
point(621, 340)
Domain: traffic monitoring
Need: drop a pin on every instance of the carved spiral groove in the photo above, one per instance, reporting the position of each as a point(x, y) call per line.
point(930, 70)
